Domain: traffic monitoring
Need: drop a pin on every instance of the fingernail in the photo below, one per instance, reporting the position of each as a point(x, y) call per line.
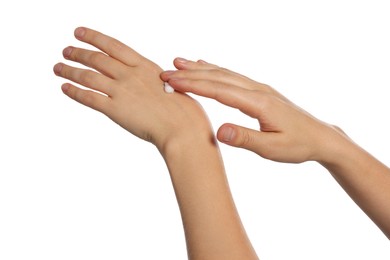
point(67, 51)
point(79, 32)
point(57, 68)
point(168, 72)
point(228, 134)
point(202, 61)
point(65, 87)
point(181, 60)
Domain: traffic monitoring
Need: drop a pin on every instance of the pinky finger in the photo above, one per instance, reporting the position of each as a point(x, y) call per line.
point(88, 98)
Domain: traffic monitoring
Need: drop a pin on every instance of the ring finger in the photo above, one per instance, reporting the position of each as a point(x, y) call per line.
point(87, 78)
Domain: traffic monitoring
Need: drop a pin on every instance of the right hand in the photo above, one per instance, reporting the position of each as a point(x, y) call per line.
point(287, 133)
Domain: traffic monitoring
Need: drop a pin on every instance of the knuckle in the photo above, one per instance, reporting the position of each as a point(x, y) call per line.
point(75, 55)
point(65, 72)
point(267, 88)
point(265, 102)
point(86, 77)
point(114, 46)
point(338, 129)
point(217, 92)
point(95, 58)
point(246, 139)
point(85, 97)
point(222, 69)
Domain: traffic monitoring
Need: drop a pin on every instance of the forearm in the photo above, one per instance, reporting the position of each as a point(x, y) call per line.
point(212, 225)
point(364, 178)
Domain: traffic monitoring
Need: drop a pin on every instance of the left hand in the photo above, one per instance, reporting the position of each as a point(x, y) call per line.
point(128, 89)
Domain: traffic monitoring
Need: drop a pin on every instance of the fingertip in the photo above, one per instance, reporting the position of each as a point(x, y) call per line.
point(57, 68)
point(165, 75)
point(67, 52)
point(180, 63)
point(226, 133)
point(178, 84)
point(79, 32)
point(65, 88)
point(174, 81)
point(180, 60)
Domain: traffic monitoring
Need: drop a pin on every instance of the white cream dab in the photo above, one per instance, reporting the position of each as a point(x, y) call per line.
point(167, 88)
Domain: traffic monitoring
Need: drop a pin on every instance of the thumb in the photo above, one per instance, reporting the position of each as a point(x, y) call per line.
point(243, 137)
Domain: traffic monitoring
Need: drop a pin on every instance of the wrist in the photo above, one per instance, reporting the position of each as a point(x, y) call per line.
point(184, 143)
point(335, 147)
point(202, 191)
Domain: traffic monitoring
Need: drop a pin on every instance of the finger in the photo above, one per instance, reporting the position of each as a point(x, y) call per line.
point(245, 100)
point(217, 75)
point(214, 72)
point(87, 78)
point(109, 45)
point(181, 63)
point(242, 137)
point(96, 60)
point(88, 98)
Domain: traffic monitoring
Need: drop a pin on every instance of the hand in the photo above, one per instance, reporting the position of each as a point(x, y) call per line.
point(128, 89)
point(287, 133)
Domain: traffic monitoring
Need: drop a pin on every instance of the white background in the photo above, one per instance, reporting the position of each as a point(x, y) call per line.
point(74, 185)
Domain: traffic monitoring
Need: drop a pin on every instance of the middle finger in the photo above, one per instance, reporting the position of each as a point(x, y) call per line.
point(96, 60)
point(87, 78)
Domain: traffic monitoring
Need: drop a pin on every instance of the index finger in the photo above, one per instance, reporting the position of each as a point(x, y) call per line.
point(230, 95)
point(109, 45)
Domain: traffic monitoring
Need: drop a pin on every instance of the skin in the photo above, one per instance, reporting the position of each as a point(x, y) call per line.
point(127, 88)
point(287, 133)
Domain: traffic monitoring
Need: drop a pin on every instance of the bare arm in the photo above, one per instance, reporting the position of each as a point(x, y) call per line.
point(363, 177)
point(289, 134)
point(128, 90)
point(211, 223)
